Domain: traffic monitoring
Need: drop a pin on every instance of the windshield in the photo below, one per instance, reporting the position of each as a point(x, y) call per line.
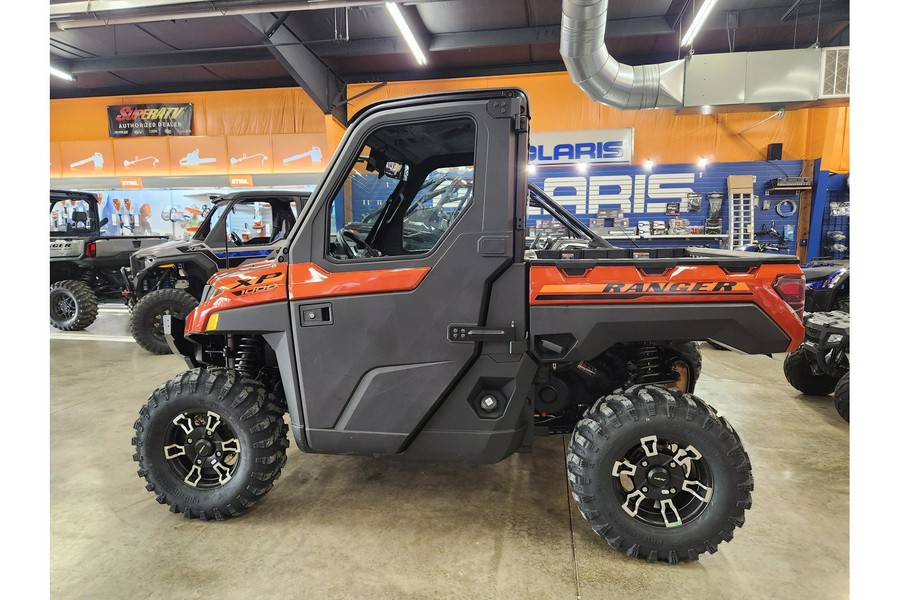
point(73, 216)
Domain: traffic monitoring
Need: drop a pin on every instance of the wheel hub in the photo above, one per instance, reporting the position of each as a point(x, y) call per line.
point(663, 483)
point(202, 451)
point(203, 448)
point(660, 478)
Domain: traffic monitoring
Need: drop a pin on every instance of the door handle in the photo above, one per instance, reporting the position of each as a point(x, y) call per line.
point(315, 315)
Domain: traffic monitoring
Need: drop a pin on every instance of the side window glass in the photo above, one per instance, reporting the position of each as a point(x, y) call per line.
point(441, 199)
point(250, 222)
point(408, 185)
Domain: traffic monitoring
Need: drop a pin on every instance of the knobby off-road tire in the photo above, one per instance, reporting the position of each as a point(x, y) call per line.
point(147, 315)
point(229, 424)
point(73, 305)
point(842, 397)
point(633, 448)
point(799, 374)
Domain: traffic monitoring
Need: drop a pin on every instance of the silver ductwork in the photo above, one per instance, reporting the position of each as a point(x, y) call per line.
point(708, 83)
point(603, 78)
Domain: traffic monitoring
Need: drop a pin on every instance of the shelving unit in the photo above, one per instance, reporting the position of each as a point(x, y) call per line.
point(740, 220)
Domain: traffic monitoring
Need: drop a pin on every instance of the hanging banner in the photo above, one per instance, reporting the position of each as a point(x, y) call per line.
point(588, 146)
point(149, 119)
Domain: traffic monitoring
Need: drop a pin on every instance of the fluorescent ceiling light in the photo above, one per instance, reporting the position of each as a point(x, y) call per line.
point(62, 74)
point(694, 29)
point(407, 32)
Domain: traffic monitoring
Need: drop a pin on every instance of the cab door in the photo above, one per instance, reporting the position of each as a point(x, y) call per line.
point(374, 301)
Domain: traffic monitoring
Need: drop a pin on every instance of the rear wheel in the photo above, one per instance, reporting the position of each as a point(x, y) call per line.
point(210, 443)
point(842, 397)
point(799, 373)
point(147, 317)
point(73, 305)
point(659, 474)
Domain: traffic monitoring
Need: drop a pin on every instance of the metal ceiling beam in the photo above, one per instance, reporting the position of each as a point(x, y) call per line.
point(164, 60)
point(322, 85)
point(453, 73)
point(170, 88)
point(97, 13)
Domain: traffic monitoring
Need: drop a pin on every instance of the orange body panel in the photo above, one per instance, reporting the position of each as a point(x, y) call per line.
point(550, 285)
point(266, 282)
point(311, 281)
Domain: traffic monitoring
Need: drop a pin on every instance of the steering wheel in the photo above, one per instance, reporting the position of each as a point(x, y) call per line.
point(438, 218)
point(354, 252)
point(235, 238)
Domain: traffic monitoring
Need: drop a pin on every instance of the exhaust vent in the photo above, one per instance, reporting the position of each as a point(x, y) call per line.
point(835, 73)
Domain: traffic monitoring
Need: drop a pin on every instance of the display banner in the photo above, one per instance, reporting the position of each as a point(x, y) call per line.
point(149, 119)
point(588, 146)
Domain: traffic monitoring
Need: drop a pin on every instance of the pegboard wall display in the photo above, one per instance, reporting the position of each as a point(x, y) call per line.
point(835, 242)
point(669, 205)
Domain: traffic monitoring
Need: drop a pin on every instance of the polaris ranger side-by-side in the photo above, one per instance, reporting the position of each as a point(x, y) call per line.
point(85, 262)
point(461, 351)
point(239, 228)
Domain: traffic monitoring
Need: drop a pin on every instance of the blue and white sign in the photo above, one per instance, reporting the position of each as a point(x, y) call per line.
point(611, 146)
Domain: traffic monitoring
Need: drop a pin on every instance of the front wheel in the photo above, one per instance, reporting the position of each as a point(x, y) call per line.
point(73, 305)
point(799, 373)
point(842, 397)
point(210, 443)
point(659, 474)
point(147, 317)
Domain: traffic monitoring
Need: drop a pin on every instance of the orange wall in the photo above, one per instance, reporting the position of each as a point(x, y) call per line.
point(556, 105)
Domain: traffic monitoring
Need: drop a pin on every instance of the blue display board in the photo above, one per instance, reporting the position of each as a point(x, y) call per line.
point(644, 195)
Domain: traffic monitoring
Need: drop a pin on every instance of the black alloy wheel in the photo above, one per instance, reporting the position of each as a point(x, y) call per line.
point(73, 305)
point(658, 474)
point(210, 443)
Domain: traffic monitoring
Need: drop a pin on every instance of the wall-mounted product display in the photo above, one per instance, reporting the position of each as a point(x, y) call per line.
point(175, 213)
point(674, 204)
point(190, 155)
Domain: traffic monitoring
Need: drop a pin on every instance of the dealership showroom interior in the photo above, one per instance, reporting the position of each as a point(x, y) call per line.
point(457, 299)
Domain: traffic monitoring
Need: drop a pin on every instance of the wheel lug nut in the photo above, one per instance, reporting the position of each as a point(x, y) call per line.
point(673, 490)
point(199, 461)
point(190, 441)
point(643, 463)
point(644, 489)
point(673, 465)
point(218, 454)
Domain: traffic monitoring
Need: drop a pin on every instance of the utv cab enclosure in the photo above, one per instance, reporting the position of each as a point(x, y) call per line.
point(460, 349)
point(239, 228)
point(84, 260)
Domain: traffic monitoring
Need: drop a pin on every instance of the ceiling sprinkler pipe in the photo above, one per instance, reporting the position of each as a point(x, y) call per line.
point(602, 77)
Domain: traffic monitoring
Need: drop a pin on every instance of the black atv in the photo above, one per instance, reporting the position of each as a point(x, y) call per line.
point(827, 285)
point(822, 363)
point(238, 228)
point(85, 263)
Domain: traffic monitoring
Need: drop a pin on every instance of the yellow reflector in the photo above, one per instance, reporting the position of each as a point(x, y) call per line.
point(213, 322)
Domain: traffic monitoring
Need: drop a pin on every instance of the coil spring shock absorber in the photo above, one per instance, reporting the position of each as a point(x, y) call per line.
point(651, 366)
point(248, 359)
